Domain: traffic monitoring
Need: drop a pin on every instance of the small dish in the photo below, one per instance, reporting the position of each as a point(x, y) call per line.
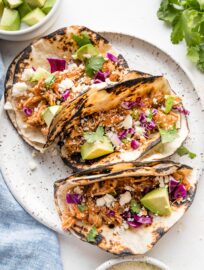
point(142, 259)
point(34, 31)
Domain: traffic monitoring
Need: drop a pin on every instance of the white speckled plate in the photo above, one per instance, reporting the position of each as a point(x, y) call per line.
point(34, 190)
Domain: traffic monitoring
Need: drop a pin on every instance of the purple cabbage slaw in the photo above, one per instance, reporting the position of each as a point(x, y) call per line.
point(135, 220)
point(27, 111)
point(73, 198)
point(57, 64)
point(112, 57)
point(176, 189)
point(101, 76)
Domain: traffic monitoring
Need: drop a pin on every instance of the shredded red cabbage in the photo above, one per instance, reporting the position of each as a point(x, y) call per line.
point(27, 111)
point(176, 189)
point(112, 57)
point(66, 94)
point(130, 104)
point(101, 76)
point(142, 118)
point(143, 219)
point(56, 64)
point(123, 134)
point(134, 144)
point(73, 198)
point(111, 213)
point(181, 109)
point(33, 68)
point(154, 111)
point(136, 221)
point(180, 192)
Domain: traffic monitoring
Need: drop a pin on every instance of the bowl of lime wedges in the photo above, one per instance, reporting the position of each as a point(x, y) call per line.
point(26, 19)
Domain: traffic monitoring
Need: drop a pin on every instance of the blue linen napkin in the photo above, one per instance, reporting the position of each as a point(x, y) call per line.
point(25, 244)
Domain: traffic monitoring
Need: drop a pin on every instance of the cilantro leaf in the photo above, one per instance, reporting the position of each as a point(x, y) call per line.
point(168, 135)
point(50, 80)
point(92, 137)
point(182, 151)
point(82, 207)
point(93, 64)
point(186, 18)
point(82, 40)
point(169, 104)
point(91, 236)
point(135, 207)
point(150, 116)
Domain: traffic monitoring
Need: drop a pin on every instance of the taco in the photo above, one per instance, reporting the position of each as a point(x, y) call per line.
point(127, 207)
point(121, 123)
point(53, 71)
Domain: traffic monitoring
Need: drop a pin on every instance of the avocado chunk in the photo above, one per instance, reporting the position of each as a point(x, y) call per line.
point(96, 149)
point(48, 6)
point(86, 50)
point(40, 73)
point(24, 9)
point(157, 201)
point(14, 3)
point(36, 3)
point(10, 20)
point(1, 7)
point(33, 17)
point(49, 113)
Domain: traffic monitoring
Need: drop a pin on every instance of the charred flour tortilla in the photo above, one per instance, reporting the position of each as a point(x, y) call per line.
point(63, 76)
point(103, 205)
point(133, 117)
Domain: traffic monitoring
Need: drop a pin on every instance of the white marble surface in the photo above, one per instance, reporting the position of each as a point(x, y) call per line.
point(137, 18)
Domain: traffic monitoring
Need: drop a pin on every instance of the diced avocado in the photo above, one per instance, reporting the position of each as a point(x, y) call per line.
point(86, 50)
point(40, 73)
point(1, 7)
point(14, 3)
point(49, 113)
point(10, 20)
point(33, 17)
point(48, 6)
point(24, 9)
point(36, 3)
point(157, 201)
point(96, 149)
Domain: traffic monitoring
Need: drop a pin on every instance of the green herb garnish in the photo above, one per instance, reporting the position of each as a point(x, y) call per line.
point(92, 137)
point(135, 207)
point(186, 17)
point(149, 116)
point(50, 80)
point(169, 104)
point(182, 151)
point(168, 135)
point(91, 236)
point(82, 207)
point(93, 64)
point(82, 40)
point(135, 114)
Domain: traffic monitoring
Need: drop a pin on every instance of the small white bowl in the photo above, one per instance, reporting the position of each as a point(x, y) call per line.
point(34, 31)
point(144, 259)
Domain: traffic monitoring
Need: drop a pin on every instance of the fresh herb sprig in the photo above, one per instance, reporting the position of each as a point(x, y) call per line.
point(186, 17)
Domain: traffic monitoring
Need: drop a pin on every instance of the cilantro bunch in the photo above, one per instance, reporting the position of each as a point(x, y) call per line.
point(186, 18)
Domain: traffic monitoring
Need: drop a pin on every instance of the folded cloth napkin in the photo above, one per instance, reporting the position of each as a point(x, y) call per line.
point(25, 244)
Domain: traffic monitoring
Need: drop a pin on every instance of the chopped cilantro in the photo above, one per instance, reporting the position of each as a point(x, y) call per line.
point(82, 207)
point(168, 135)
point(135, 207)
point(93, 64)
point(149, 115)
point(82, 40)
point(187, 21)
point(50, 80)
point(169, 104)
point(91, 236)
point(92, 137)
point(182, 151)
point(135, 114)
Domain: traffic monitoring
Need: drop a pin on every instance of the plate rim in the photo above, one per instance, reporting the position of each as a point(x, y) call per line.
point(181, 66)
